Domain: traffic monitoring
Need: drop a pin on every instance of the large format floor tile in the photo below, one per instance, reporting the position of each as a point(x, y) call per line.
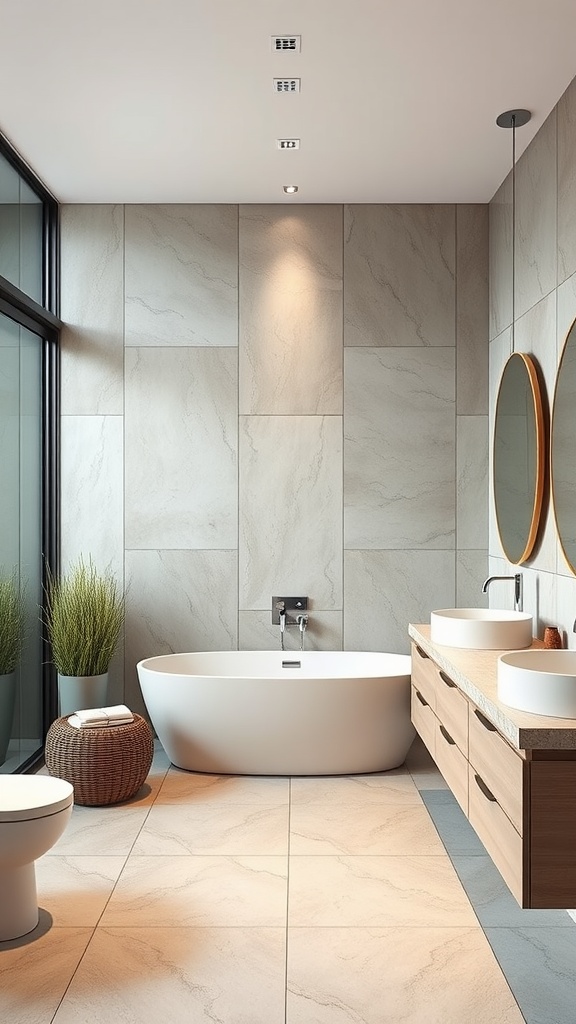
point(198, 789)
point(101, 831)
point(395, 976)
point(179, 976)
point(199, 891)
point(35, 972)
point(376, 891)
point(393, 787)
point(233, 828)
point(75, 890)
point(362, 830)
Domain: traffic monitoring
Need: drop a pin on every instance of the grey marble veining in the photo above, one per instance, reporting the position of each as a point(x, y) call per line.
point(181, 448)
point(472, 482)
point(500, 259)
point(399, 275)
point(399, 448)
point(565, 312)
point(567, 183)
point(384, 590)
point(535, 251)
point(182, 275)
point(471, 571)
point(540, 969)
point(472, 309)
point(178, 601)
point(91, 475)
point(92, 308)
point(290, 509)
point(291, 310)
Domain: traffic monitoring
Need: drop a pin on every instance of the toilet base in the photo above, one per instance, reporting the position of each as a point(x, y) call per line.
point(18, 902)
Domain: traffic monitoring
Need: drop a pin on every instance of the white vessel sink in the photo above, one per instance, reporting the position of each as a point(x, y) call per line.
point(481, 629)
point(542, 682)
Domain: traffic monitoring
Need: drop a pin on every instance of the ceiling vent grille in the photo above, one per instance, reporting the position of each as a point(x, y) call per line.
point(286, 44)
point(288, 143)
point(286, 85)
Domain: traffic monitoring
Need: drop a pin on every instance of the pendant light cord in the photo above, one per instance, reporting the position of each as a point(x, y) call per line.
point(513, 232)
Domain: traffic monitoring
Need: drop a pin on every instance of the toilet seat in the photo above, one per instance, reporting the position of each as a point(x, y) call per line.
point(26, 797)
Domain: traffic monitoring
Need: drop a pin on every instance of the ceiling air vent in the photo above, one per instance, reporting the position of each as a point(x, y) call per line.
point(286, 85)
point(288, 143)
point(286, 44)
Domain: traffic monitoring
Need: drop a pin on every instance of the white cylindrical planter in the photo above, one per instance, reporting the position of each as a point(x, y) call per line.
point(7, 701)
point(76, 693)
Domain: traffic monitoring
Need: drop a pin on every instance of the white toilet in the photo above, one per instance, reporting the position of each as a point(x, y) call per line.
point(34, 811)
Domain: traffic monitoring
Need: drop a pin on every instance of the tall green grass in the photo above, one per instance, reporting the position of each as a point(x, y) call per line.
point(11, 622)
point(84, 616)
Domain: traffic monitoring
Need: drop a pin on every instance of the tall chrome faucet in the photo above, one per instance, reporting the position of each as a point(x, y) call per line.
point(518, 592)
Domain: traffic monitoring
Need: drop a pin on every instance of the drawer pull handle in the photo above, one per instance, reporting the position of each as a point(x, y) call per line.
point(421, 652)
point(446, 679)
point(484, 721)
point(421, 699)
point(447, 736)
point(484, 789)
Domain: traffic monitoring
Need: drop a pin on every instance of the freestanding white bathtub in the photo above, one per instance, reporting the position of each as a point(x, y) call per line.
point(280, 713)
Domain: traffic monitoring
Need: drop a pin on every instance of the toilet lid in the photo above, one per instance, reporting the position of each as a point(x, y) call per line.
point(24, 797)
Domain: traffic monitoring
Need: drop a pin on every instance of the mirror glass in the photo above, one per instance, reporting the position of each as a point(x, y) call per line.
point(519, 454)
point(562, 449)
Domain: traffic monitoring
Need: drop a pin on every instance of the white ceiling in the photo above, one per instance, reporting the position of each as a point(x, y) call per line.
point(172, 100)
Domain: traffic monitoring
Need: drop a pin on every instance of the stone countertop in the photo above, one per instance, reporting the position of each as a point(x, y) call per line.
point(475, 672)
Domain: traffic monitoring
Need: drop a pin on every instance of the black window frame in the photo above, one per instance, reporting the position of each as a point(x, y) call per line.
point(44, 321)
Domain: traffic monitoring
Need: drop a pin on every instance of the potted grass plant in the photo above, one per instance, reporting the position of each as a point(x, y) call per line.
point(11, 637)
point(84, 615)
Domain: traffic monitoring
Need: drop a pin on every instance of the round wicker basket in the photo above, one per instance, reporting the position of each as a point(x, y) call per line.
point(105, 765)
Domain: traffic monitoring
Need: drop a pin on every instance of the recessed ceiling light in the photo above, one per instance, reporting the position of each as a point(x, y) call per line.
point(290, 189)
point(288, 143)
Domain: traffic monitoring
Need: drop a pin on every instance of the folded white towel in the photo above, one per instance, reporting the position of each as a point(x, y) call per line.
point(104, 714)
point(97, 718)
point(77, 722)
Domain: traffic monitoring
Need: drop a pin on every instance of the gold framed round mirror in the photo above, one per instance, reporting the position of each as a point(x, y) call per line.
point(562, 439)
point(519, 457)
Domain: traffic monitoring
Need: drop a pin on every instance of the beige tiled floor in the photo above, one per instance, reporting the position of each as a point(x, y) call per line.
point(210, 900)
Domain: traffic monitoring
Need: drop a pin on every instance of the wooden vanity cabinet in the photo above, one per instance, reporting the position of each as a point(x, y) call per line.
point(521, 803)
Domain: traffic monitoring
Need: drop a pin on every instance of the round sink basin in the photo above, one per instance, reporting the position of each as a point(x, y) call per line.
point(481, 629)
point(542, 682)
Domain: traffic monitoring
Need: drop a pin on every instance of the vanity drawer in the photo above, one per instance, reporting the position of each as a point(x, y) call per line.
point(452, 764)
point(424, 719)
point(501, 767)
point(495, 830)
point(424, 675)
point(452, 709)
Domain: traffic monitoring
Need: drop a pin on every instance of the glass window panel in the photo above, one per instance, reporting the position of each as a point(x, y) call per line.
point(21, 232)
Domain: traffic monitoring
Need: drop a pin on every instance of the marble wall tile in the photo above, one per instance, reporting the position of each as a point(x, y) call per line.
point(471, 571)
point(256, 632)
point(565, 612)
point(399, 275)
point(385, 590)
point(472, 309)
point(500, 260)
point(535, 250)
point(178, 601)
point(399, 458)
point(567, 183)
point(182, 275)
point(290, 509)
point(91, 505)
point(181, 448)
point(291, 310)
point(92, 308)
point(399, 268)
point(565, 312)
point(472, 482)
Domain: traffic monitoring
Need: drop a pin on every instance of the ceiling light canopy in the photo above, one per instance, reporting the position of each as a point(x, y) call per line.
point(290, 189)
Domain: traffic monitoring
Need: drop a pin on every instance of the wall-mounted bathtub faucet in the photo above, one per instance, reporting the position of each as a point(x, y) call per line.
point(286, 611)
point(518, 592)
point(302, 621)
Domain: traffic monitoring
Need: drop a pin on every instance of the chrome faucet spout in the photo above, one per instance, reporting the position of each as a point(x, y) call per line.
point(518, 589)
